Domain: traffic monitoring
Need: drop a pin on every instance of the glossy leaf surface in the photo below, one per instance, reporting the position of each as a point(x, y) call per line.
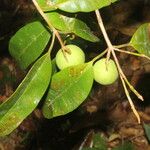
point(26, 97)
point(44, 4)
point(68, 90)
point(71, 25)
point(28, 43)
point(141, 39)
point(74, 5)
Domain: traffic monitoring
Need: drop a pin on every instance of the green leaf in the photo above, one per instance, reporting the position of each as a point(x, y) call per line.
point(44, 4)
point(71, 25)
point(74, 5)
point(125, 146)
point(141, 39)
point(99, 142)
point(68, 90)
point(54, 67)
point(28, 43)
point(26, 97)
point(147, 130)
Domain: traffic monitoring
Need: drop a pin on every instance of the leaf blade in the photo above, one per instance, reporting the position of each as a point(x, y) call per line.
point(68, 90)
point(84, 5)
point(28, 43)
point(71, 25)
point(26, 97)
point(74, 5)
point(141, 39)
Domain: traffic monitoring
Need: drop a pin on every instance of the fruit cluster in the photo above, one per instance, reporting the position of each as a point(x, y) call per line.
point(105, 72)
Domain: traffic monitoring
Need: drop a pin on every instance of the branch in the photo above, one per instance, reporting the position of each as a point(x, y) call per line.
point(132, 53)
point(101, 25)
point(123, 78)
point(49, 23)
point(64, 50)
point(130, 100)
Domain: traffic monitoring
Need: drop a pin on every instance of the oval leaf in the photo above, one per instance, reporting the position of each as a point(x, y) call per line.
point(26, 97)
point(74, 5)
point(69, 88)
point(71, 25)
point(28, 43)
point(141, 39)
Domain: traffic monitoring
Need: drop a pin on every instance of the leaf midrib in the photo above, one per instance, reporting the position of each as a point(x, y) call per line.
point(68, 87)
point(35, 75)
point(32, 41)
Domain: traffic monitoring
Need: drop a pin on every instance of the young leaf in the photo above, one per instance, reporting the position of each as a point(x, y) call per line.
point(71, 25)
point(68, 90)
point(26, 97)
point(74, 5)
point(28, 43)
point(141, 39)
point(147, 130)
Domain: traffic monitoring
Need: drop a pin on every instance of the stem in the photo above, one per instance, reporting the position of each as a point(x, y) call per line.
point(132, 53)
point(100, 55)
point(110, 50)
point(49, 23)
point(64, 50)
point(130, 100)
point(101, 25)
point(122, 45)
point(124, 77)
point(134, 90)
point(52, 43)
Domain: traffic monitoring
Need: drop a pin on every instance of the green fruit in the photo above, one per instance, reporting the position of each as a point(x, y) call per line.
point(75, 57)
point(103, 74)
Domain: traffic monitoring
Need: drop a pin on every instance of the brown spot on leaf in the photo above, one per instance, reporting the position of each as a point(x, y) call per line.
point(74, 72)
point(57, 85)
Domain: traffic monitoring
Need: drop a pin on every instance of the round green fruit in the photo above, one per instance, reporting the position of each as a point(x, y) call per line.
point(103, 74)
point(75, 57)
